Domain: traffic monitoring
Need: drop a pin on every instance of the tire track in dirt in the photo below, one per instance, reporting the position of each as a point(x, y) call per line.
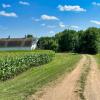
point(65, 90)
point(92, 89)
point(83, 78)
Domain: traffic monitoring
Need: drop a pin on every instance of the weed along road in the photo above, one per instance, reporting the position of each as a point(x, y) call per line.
point(83, 83)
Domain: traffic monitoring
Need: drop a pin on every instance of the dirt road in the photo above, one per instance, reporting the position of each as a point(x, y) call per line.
point(92, 91)
point(64, 90)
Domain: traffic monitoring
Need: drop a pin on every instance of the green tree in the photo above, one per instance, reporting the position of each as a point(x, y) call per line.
point(77, 41)
point(67, 40)
point(47, 43)
point(99, 40)
point(88, 41)
point(29, 36)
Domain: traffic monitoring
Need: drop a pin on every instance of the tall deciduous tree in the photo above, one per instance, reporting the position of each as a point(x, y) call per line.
point(88, 41)
point(47, 43)
point(67, 40)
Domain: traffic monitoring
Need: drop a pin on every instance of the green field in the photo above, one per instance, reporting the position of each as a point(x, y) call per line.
point(33, 79)
point(14, 62)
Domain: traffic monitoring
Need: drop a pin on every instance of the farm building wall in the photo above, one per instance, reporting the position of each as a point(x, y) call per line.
point(17, 43)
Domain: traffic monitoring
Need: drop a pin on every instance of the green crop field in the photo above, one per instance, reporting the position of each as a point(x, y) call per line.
point(31, 80)
point(13, 63)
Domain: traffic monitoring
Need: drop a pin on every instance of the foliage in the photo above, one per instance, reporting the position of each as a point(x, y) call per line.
point(99, 41)
point(13, 63)
point(88, 41)
point(47, 43)
point(67, 40)
point(84, 41)
point(29, 36)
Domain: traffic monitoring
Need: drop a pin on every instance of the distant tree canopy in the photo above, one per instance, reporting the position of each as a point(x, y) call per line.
point(99, 41)
point(87, 41)
point(29, 36)
point(66, 41)
point(47, 43)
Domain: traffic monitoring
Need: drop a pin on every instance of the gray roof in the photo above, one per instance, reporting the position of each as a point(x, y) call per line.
point(17, 42)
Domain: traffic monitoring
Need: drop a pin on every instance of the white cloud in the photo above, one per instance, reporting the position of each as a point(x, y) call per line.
point(35, 19)
point(48, 26)
point(51, 32)
point(24, 3)
point(6, 14)
point(95, 3)
point(76, 8)
point(43, 24)
point(95, 22)
point(74, 26)
point(51, 26)
point(47, 17)
point(6, 5)
point(61, 24)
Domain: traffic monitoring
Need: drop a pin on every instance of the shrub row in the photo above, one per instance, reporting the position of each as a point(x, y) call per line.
point(11, 64)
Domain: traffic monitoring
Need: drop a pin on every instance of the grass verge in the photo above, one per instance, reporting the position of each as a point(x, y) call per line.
point(33, 79)
point(98, 59)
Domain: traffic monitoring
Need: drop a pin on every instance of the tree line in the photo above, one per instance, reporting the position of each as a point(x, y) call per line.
point(83, 41)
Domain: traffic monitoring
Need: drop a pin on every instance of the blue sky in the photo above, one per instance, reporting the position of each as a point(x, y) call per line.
point(46, 17)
